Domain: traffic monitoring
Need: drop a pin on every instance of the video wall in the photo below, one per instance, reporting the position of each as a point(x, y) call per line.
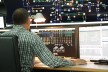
point(62, 11)
point(69, 10)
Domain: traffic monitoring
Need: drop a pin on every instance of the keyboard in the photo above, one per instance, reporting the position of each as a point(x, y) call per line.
point(100, 62)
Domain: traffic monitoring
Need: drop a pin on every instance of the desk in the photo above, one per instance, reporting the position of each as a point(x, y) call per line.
point(90, 67)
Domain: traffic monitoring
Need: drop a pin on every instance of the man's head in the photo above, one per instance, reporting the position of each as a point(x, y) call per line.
point(21, 17)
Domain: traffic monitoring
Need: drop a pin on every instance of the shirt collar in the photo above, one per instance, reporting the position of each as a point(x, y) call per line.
point(18, 27)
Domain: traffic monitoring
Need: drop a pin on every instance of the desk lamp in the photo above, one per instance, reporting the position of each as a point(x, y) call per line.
point(38, 18)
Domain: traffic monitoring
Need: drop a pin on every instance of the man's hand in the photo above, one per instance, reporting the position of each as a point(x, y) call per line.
point(79, 61)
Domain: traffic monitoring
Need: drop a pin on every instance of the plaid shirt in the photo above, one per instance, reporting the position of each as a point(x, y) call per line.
point(30, 44)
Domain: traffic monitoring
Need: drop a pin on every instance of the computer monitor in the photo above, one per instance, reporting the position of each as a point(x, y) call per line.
point(93, 42)
point(2, 24)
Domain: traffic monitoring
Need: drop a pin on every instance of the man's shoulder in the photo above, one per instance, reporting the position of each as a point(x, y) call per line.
point(29, 34)
point(24, 35)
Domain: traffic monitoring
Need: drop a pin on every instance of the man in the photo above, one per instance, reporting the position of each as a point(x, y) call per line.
point(30, 44)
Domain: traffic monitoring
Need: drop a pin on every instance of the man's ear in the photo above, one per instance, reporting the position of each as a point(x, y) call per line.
point(28, 21)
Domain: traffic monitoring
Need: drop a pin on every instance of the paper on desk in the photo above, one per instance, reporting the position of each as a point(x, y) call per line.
point(38, 63)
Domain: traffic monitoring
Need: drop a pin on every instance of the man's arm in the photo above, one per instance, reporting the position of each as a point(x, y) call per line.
point(46, 56)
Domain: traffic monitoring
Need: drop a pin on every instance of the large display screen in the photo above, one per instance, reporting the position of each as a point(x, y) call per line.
point(69, 10)
point(62, 11)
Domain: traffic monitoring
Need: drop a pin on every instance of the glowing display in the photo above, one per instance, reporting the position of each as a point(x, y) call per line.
point(1, 22)
point(58, 11)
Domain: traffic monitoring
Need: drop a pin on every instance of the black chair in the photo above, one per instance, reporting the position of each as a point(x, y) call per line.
point(9, 56)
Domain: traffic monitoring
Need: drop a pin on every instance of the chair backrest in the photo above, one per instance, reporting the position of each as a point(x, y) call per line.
point(9, 55)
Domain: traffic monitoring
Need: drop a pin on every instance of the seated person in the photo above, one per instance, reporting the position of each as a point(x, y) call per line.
point(31, 45)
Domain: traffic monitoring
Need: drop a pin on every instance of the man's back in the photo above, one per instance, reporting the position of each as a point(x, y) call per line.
point(24, 45)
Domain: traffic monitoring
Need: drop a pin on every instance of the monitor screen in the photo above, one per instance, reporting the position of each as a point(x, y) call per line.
point(93, 42)
point(1, 22)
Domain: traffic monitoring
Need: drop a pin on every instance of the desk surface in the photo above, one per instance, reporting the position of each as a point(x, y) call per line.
point(89, 67)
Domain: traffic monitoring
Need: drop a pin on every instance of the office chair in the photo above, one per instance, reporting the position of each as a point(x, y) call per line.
point(9, 56)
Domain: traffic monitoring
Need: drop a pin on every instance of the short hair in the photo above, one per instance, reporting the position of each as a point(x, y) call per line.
point(20, 16)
